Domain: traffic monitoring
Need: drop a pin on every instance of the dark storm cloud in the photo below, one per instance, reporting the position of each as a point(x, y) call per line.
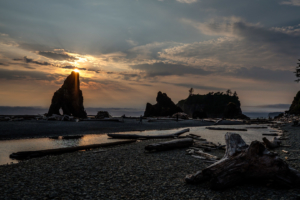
point(25, 75)
point(57, 56)
point(163, 69)
point(29, 60)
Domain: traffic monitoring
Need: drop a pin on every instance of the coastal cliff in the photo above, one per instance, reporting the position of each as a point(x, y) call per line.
point(212, 105)
point(164, 106)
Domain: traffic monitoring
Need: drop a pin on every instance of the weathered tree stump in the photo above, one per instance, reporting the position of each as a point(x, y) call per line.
point(242, 163)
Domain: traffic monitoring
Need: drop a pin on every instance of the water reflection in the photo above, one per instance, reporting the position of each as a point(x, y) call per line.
point(10, 146)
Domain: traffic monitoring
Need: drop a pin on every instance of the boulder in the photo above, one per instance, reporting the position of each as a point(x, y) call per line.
point(68, 98)
point(164, 106)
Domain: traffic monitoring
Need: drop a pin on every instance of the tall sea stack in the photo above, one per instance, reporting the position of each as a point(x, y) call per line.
point(69, 98)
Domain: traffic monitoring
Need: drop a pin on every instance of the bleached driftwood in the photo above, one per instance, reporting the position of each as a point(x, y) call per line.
point(242, 163)
point(134, 136)
point(206, 155)
point(226, 129)
point(172, 144)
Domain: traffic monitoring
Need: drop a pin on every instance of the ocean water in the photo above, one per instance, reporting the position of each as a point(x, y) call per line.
point(8, 147)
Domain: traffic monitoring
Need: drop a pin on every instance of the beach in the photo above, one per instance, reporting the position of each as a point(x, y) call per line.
point(128, 172)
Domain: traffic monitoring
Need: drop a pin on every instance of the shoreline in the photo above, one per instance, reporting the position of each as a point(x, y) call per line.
point(127, 171)
point(12, 130)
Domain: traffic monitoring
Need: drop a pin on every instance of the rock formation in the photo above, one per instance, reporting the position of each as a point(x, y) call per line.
point(69, 98)
point(164, 107)
point(295, 107)
point(212, 105)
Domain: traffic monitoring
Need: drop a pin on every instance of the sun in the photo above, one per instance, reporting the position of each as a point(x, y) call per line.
point(76, 70)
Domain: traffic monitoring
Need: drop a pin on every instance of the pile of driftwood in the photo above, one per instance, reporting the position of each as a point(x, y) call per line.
point(242, 163)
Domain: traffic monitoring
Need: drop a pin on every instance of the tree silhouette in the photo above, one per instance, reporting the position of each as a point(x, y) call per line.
point(228, 92)
point(191, 91)
point(297, 72)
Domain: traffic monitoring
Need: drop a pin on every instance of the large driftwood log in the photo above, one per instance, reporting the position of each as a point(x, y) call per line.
point(134, 136)
point(32, 154)
point(242, 163)
point(226, 129)
point(272, 144)
point(173, 144)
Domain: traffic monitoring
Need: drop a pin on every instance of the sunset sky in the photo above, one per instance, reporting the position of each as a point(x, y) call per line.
point(128, 50)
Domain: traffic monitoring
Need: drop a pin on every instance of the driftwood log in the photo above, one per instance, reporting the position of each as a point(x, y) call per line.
point(242, 163)
point(272, 144)
point(135, 136)
point(173, 144)
point(32, 154)
point(226, 129)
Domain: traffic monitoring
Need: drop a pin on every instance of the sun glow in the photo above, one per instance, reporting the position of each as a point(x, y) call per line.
point(76, 70)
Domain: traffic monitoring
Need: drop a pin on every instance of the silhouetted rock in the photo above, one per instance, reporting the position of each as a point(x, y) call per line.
point(164, 107)
point(216, 105)
point(69, 98)
point(295, 107)
point(232, 110)
point(102, 115)
point(199, 114)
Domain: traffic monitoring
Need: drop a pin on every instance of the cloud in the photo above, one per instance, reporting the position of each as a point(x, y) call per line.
point(131, 42)
point(240, 44)
point(28, 60)
point(35, 47)
point(203, 87)
point(291, 2)
point(26, 75)
point(57, 56)
point(165, 69)
point(268, 75)
point(81, 68)
point(187, 1)
point(73, 67)
point(4, 64)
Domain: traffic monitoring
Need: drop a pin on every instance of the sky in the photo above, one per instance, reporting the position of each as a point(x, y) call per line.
point(128, 50)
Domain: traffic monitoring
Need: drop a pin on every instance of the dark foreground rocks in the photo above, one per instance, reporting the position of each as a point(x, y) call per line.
point(125, 172)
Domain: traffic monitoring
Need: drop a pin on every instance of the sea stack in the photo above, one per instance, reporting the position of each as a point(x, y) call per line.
point(164, 107)
point(69, 98)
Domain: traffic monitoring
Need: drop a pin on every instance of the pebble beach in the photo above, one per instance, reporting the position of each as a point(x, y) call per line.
point(128, 172)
